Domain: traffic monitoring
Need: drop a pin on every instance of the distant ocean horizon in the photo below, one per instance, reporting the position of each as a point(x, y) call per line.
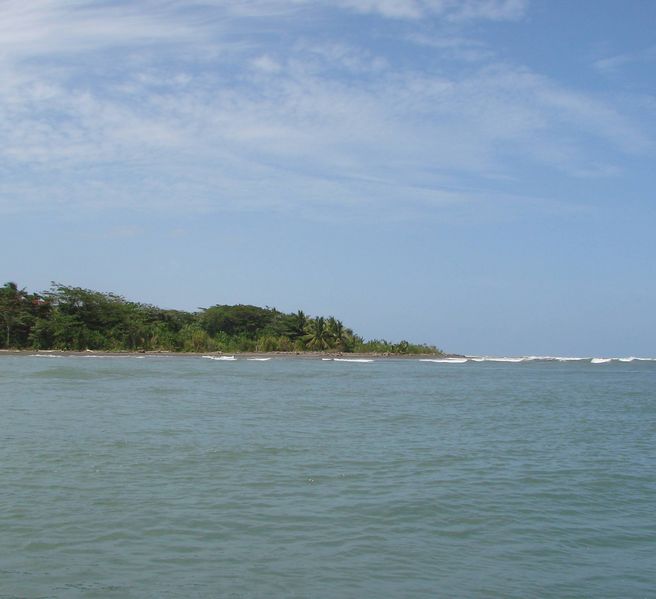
point(347, 476)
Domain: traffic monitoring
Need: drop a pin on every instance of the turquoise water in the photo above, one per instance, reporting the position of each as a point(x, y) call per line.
point(184, 477)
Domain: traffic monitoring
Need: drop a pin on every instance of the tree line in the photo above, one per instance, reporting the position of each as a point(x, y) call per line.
point(73, 318)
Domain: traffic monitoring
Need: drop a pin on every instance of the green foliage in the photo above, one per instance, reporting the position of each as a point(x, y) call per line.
point(73, 318)
point(193, 338)
point(317, 336)
point(237, 320)
point(293, 325)
point(18, 314)
point(380, 346)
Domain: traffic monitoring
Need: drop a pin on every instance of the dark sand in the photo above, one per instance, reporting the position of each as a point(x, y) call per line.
point(280, 355)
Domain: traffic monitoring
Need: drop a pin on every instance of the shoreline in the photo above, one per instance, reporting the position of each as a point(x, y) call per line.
point(273, 354)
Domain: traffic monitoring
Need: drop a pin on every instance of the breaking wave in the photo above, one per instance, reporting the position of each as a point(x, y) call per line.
point(495, 359)
point(551, 359)
point(445, 360)
point(352, 360)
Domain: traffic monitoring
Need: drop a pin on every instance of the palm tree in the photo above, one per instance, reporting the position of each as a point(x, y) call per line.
point(339, 335)
point(300, 322)
point(294, 325)
point(317, 336)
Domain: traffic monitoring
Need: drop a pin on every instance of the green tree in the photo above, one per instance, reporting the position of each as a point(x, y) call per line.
point(194, 339)
point(340, 337)
point(317, 336)
point(294, 325)
point(236, 320)
point(75, 318)
point(15, 314)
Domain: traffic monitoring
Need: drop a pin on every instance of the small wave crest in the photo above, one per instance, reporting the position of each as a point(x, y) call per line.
point(552, 359)
point(221, 358)
point(496, 359)
point(351, 359)
point(445, 360)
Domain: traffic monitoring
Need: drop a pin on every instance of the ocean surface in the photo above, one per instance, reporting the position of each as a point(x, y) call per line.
point(189, 477)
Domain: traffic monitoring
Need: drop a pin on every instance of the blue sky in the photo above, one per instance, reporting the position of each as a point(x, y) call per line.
point(477, 174)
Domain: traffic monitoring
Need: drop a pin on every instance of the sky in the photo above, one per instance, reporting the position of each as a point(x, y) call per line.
point(474, 174)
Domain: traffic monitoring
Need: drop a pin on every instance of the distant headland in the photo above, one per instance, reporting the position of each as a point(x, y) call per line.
point(75, 319)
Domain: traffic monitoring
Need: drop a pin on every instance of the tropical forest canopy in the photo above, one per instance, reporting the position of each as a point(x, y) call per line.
point(73, 318)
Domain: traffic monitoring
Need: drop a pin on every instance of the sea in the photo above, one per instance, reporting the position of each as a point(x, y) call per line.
point(184, 476)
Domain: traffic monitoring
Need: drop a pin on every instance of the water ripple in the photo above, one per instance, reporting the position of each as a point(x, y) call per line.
point(171, 477)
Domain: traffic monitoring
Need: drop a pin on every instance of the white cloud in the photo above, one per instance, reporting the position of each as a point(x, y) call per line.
point(453, 10)
point(493, 10)
point(183, 116)
point(266, 64)
point(42, 27)
point(404, 9)
point(51, 26)
point(613, 64)
point(453, 47)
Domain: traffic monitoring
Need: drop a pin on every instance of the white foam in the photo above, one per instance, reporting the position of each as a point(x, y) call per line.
point(505, 359)
point(517, 359)
point(114, 357)
point(326, 359)
point(352, 360)
point(258, 359)
point(44, 356)
point(221, 358)
point(634, 358)
point(445, 360)
point(495, 359)
point(543, 359)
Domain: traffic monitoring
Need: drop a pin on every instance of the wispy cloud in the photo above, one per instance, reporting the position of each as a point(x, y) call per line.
point(612, 64)
point(47, 26)
point(453, 47)
point(453, 10)
point(204, 106)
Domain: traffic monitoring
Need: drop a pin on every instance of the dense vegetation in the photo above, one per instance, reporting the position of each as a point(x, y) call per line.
point(72, 318)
